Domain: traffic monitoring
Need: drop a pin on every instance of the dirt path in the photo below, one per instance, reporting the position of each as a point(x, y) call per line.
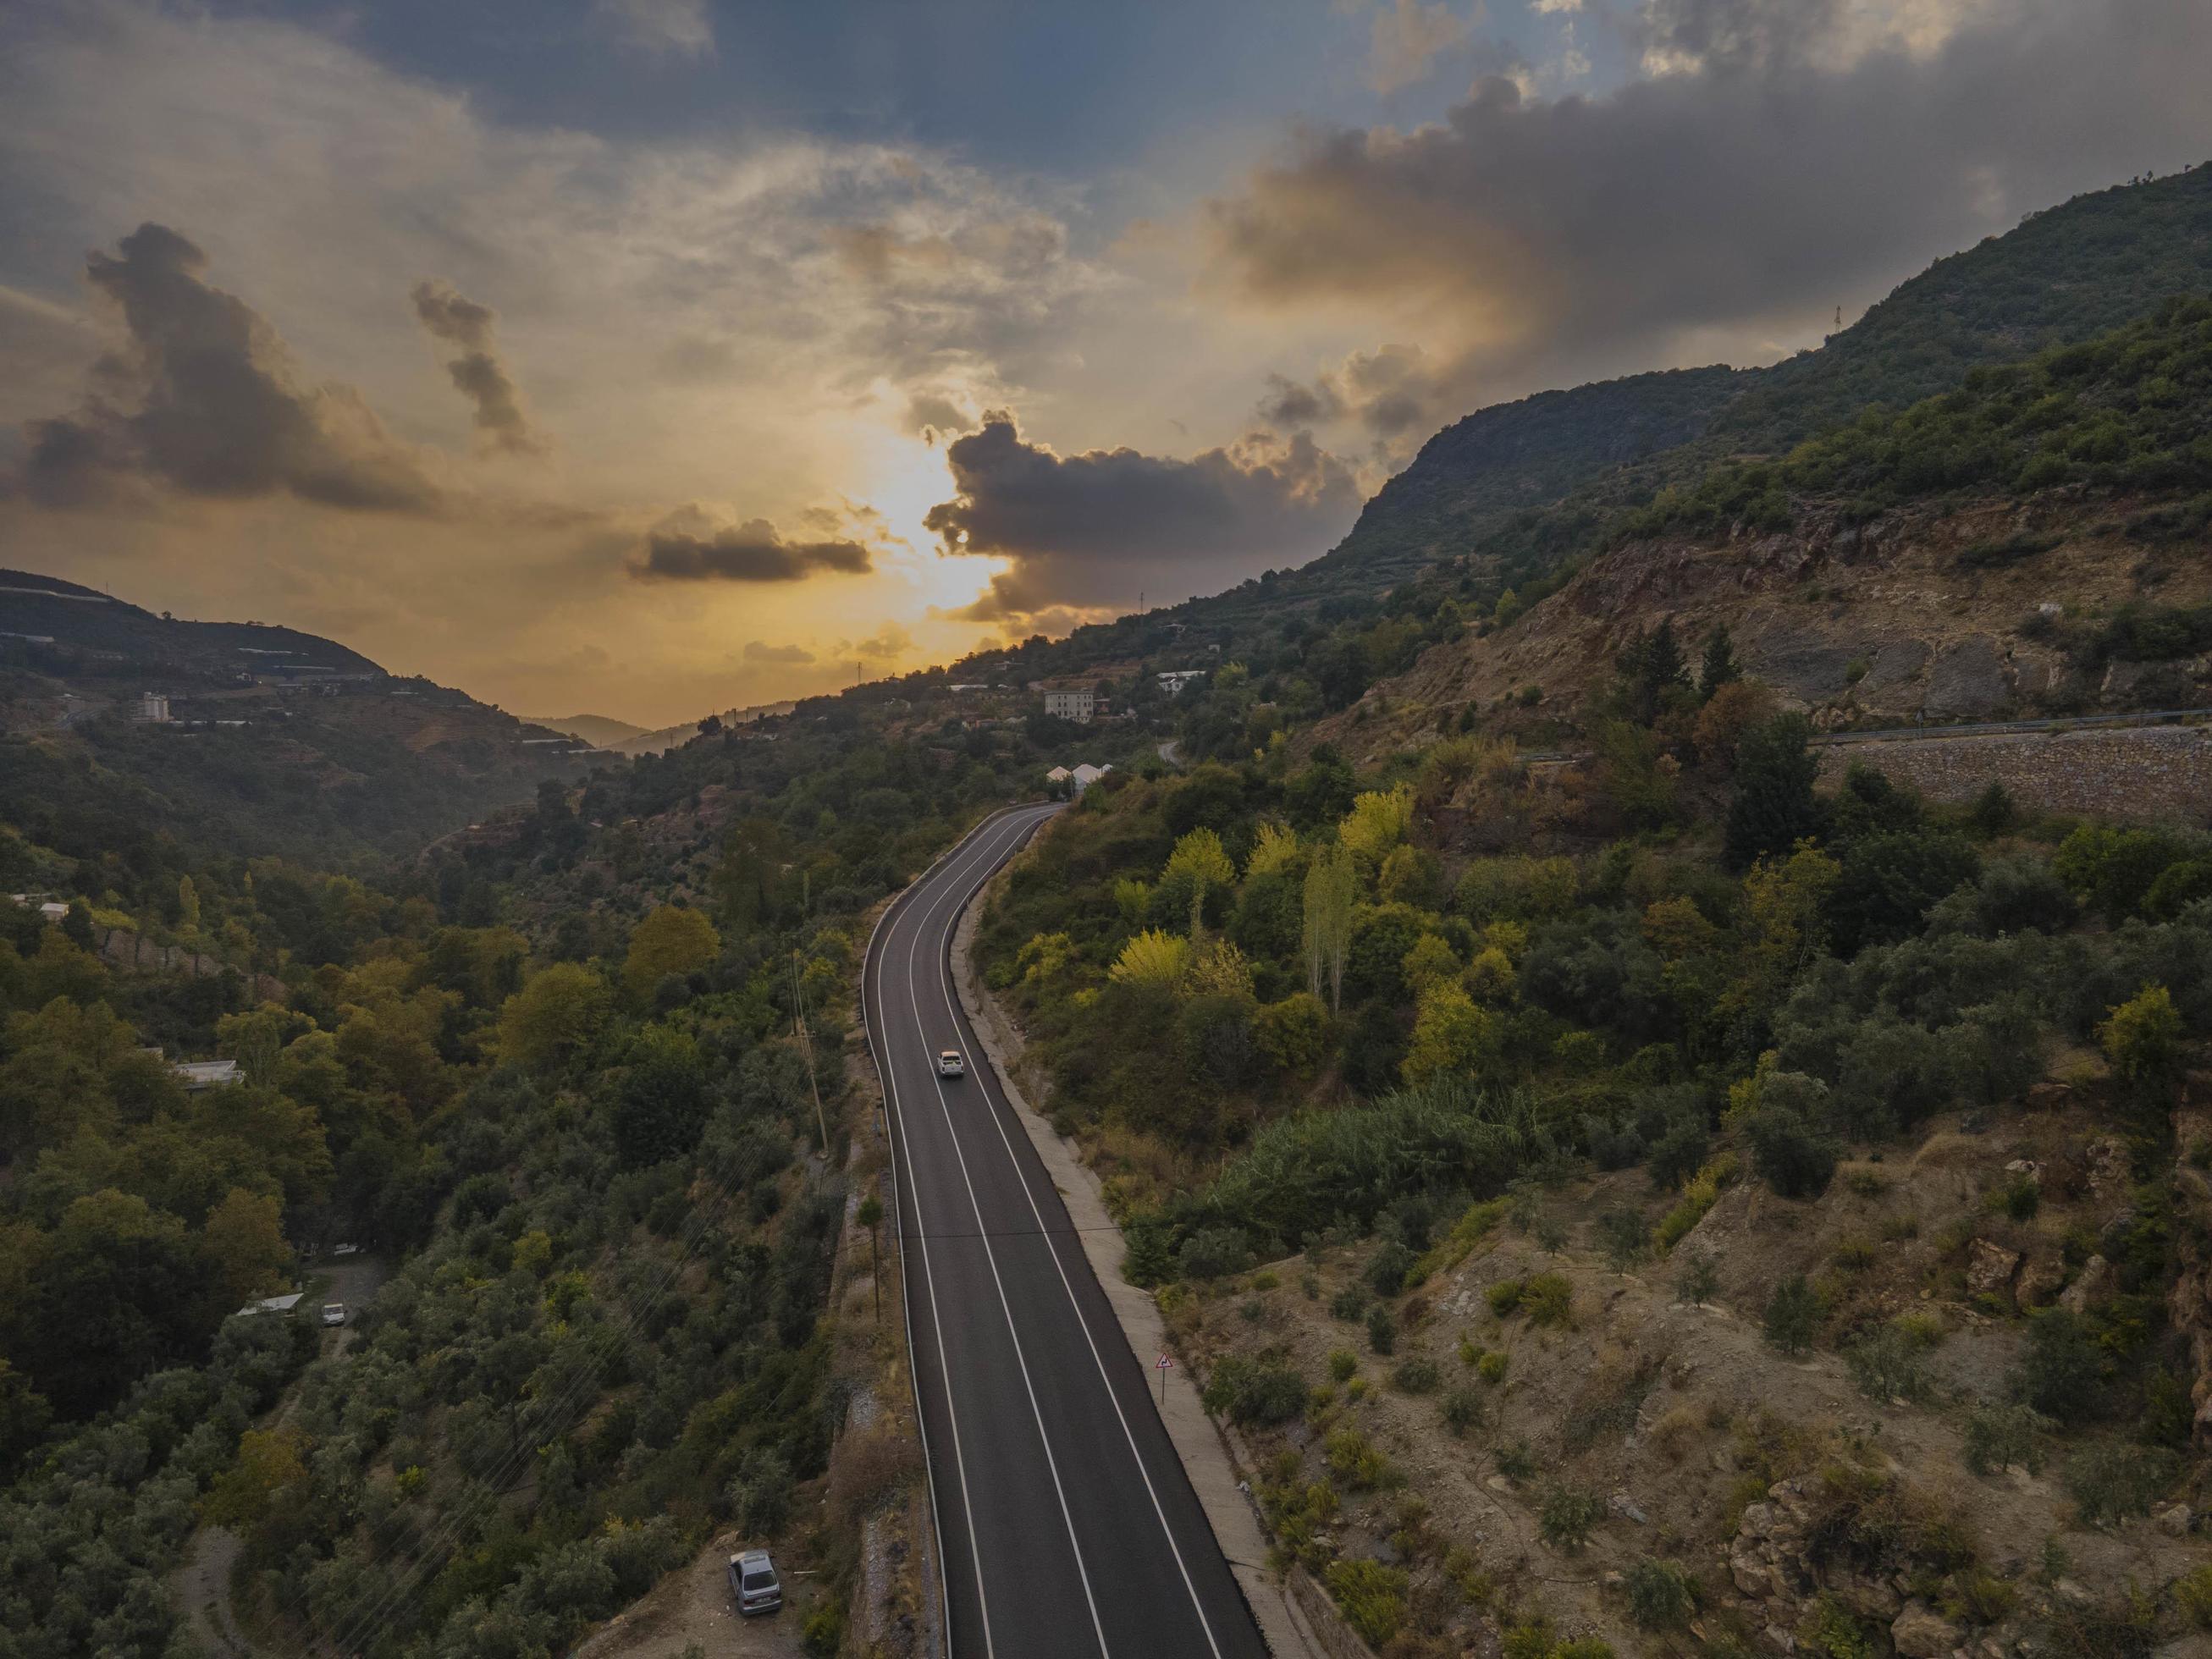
point(693, 1606)
point(200, 1587)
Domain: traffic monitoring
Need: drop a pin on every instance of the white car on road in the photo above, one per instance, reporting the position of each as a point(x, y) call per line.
point(334, 1313)
point(949, 1063)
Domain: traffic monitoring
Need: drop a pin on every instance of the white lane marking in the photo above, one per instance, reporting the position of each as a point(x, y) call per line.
point(1006, 1306)
point(936, 1327)
point(969, 1058)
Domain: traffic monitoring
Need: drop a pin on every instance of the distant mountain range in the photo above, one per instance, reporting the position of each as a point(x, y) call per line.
point(620, 738)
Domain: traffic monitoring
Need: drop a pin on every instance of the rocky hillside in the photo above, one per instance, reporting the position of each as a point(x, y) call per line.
point(2027, 545)
point(2069, 273)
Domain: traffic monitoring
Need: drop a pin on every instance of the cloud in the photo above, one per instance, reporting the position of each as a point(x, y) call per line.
point(1692, 36)
point(669, 28)
point(1794, 156)
point(889, 641)
point(478, 372)
point(759, 651)
point(1405, 40)
point(204, 400)
point(1390, 392)
point(690, 545)
point(932, 414)
point(1089, 530)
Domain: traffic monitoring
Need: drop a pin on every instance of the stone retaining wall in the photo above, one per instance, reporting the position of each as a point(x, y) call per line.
point(2160, 773)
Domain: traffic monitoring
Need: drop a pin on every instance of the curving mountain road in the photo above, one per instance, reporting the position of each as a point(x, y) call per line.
point(1066, 1525)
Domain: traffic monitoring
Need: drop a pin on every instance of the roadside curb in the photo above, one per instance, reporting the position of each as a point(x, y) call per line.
point(1214, 1460)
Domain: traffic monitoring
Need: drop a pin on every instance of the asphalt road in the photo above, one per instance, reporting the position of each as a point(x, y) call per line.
point(1065, 1521)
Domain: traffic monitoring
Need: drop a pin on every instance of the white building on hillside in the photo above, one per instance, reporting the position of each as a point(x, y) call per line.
point(1175, 679)
point(1087, 774)
point(1070, 705)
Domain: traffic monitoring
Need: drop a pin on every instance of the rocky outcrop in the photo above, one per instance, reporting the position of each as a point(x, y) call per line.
point(1969, 681)
point(1920, 1633)
point(1990, 1269)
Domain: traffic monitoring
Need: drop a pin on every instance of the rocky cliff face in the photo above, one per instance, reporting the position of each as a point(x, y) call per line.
point(1917, 616)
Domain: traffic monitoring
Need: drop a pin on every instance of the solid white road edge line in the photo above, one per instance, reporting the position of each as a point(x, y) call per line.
point(1129, 1435)
point(1005, 1305)
point(891, 1095)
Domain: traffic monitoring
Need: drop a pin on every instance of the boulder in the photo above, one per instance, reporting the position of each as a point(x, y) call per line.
point(1921, 1633)
point(2040, 1277)
point(1990, 1269)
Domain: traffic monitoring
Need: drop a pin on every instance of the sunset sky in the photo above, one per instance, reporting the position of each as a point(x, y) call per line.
point(644, 357)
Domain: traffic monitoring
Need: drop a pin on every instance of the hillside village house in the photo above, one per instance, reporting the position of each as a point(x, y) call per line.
point(1175, 679)
point(1070, 705)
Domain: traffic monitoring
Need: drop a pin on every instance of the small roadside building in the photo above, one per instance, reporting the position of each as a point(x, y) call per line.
point(198, 1075)
point(268, 1304)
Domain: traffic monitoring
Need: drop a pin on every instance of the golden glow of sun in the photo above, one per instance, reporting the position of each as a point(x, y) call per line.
point(905, 478)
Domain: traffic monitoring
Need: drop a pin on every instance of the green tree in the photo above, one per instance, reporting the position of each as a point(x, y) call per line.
point(118, 1291)
point(1793, 1316)
point(1773, 807)
point(1719, 667)
point(244, 1242)
point(188, 905)
point(662, 1105)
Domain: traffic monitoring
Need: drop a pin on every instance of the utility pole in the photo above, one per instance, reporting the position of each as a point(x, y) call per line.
point(806, 1049)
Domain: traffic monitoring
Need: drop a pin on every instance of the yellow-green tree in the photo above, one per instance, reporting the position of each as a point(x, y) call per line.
point(1377, 822)
point(1430, 961)
point(674, 939)
point(1451, 1035)
point(1275, 852)
point(1332, 884)
point(1200, 864)
point(2142, 1040)
point(554, 1017)
point(1153, 958)
point(1219, 970)
point(188, 905)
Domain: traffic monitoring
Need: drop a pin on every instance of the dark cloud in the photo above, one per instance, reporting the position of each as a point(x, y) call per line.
point(1294, 404)
point(1091, 529)
point(478, 372)
point(761, 651)
point(689, 546)
point(1779, 165)
point(204, 400)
